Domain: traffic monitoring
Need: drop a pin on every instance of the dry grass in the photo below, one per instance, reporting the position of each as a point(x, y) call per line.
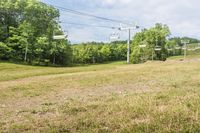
point(150, 97)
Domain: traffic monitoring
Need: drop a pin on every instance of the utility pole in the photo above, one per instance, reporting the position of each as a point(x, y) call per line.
point(185, 52)
point(185, 42)
point(129, 39)
point(26, 51)
point(128, 46)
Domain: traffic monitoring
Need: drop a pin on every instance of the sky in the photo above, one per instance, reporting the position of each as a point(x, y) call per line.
point(182, 17)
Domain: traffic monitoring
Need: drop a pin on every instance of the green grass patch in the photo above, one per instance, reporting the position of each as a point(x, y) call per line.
point(151, 97)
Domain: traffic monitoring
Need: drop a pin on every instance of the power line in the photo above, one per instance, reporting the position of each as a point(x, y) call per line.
point(87, 25)
point(93, 16)
point(88, 15)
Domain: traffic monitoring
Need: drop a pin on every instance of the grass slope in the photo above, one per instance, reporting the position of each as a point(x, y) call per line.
point(150, 97)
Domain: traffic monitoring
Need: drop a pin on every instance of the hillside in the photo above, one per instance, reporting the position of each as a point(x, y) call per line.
point(116, 97)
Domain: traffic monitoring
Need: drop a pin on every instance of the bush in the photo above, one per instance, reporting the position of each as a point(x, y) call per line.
point(5, 51)
point(46, 62)
point(135, 55)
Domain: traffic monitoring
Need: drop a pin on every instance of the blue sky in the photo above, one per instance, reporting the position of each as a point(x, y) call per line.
point(182, 16)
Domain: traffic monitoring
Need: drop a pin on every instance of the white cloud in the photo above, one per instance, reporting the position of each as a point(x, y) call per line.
point(112, 2)
point(81, 35)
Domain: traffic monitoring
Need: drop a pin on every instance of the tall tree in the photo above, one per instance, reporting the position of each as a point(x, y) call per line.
point(154, 40)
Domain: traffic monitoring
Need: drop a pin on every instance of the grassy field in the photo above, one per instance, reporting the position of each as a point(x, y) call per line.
point(116, 97)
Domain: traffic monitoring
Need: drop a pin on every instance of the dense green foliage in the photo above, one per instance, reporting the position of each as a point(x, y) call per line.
point(28, 25)
point(150, 44)
point(178, 40)
point(98, 52)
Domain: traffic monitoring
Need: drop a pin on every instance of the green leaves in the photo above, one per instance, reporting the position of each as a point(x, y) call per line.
point(5, 51)
point(98, 52)
point(28, 25)
point(152, 38)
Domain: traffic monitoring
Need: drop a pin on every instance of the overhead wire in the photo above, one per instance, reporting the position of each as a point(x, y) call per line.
point(83, 14)
point(88, 15)
point(89, 25)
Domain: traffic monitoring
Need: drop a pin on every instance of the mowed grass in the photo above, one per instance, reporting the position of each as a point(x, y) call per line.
point(116, 97)
point(189, 57)
point(11, 71)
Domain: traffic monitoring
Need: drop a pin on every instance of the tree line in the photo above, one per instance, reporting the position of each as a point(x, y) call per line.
point(26, 33)
point(98, 52)
point(155, 44)
point(27, 28)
